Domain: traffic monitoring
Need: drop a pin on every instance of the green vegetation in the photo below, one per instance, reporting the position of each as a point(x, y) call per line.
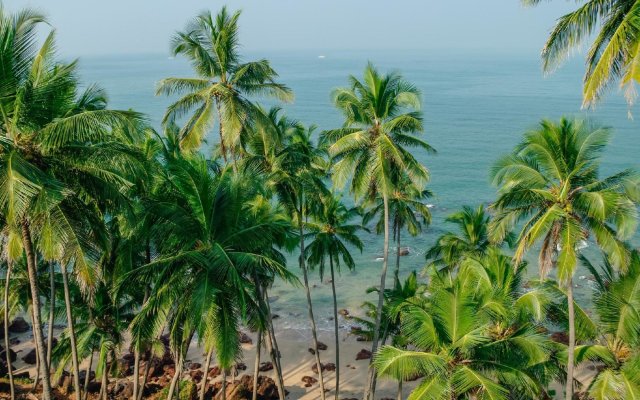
point(131, 236)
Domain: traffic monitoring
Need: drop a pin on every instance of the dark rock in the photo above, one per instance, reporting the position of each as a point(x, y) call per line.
point(214, 372)
point(196, 375)
point(404, 251)
point(241, 366)
point(12, 355)
point(194, 366)
point(14, 341)
point(309, 381)
point(30, 358)
point(19, 325)
point(361, 339)
point(330, 367)
point(314, 367)
point(245, 339)
point(363, 354)
point(83, 375)
point(312, 351)
point(265, 366)
point(275, 316)
point(322, 346)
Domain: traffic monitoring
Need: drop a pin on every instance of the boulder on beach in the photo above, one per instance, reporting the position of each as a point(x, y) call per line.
point(330, 367)
point(30, 358)
point(12, 355)
point(363, 354)
point(19, 325)
point(265, 366)
point(314, 367)
point(322, 346)
point(309, 381)
point(241, 366)
point(242, 389)
point(245, 339)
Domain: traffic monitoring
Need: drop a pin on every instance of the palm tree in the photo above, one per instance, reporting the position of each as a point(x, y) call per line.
point(470, 239)
point(551, 183)
point(408, 210)
point(215, 235)
point(472, 337)
point(616, 305)
point(223, 85)
point(332, 233)
point(614, 54)
point(382, 115)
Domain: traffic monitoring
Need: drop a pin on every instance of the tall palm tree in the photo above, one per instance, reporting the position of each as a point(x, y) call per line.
point(614, 54)
point(470, 239)
point(551, 183)
point(408, 211)
point(472, 337)
point(332, 234)
point(382, 117)
point(224, 83)
point(616, 305)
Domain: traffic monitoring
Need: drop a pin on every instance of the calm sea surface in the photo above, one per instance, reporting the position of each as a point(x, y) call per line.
point(476, 107)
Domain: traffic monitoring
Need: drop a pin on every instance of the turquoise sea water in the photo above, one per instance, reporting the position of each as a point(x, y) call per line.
point(476, 107)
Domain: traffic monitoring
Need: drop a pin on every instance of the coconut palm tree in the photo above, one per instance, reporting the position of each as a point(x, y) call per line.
point(224, 82)
point(551, 183)
point(215, 235)
point(470, 239)
point(471, 337)
point(614, 53)
point(382, 117)
point(616, 305)
point(332, 234)
point(408, 210)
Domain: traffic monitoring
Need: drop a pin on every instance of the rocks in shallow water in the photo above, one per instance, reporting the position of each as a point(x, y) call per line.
point(275, 316)
point(322, 346)
point(245, 339)
point(30, 358)
point(19, 325)
point(404, 251)
point(265, 366)
point(309, 381)
point(344, 312)
point(363, 354)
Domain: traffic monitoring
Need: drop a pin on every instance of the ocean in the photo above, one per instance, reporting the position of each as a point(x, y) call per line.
point(476, 107)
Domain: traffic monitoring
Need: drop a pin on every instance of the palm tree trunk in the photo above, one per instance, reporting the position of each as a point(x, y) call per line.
point(223, 148)
point(136, 350)
point(396, 230)
point(383, 276)
point(399, 396)
point(87, 377)
point(224, 384)
point(35, 298)
point(207, 363)
point(52, 303)
point(37, 377)
point(176, 376)
point(256, 372)
point(105, 382)
point(144, 378)
point(572, 342)
point(314, 333)
point(7, 280)
point(72, 333)
point(336, 327)
point(272, 348)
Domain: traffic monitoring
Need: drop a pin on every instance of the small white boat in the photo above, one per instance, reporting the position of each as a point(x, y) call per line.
point(321, 56)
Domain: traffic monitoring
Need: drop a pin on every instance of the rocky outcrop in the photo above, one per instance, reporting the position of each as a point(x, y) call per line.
point(19, 325)
point(363, 354)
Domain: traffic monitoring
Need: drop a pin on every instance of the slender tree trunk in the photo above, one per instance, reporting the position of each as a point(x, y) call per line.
point(136, 349)
point(272, 348)
point(105, 382)
point(224, 384)
point(35, 298)
point(205, 377)
point(37, 377)
point(399, 396)
point(256, 368)
point(383, 276)
point(397, 235)
point(572, 342)
point(223, 147)
point(176, 376)
point(147, 365)
point(52, 308)
point(72, 333)
point(7, 280)
point(336, 327)
point(314, 333)
point(87, 377)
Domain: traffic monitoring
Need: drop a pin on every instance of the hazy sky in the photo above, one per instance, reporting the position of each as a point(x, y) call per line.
point(88, 27)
